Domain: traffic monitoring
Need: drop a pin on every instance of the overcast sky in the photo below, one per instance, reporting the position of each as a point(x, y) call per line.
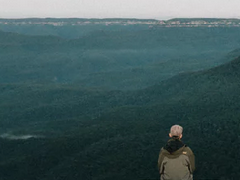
point(156, 9)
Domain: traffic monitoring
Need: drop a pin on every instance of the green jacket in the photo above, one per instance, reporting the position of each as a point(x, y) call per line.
point(176, 161)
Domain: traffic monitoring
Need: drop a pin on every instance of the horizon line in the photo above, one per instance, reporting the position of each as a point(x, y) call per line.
point(93, 18)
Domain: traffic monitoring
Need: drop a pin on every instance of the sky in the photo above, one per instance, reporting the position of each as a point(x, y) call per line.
point(141, 9)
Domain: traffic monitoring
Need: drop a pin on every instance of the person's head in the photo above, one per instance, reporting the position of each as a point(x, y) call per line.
point(176, 131)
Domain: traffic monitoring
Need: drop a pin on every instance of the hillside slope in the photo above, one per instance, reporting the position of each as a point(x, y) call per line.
point(123, 141)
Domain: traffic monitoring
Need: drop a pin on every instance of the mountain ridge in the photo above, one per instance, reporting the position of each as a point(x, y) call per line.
point(174, 22)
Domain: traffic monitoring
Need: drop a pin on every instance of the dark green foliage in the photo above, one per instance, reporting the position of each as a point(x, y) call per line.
point(124, 142)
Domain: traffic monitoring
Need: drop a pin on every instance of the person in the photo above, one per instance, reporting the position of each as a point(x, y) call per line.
point(176, 160)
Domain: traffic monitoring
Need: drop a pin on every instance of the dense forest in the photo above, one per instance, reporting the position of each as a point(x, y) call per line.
point(100, 106)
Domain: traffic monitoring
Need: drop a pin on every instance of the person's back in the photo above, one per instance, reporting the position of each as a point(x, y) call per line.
point(176, 160)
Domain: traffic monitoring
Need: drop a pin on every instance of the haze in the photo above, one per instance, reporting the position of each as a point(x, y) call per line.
point(156, 9)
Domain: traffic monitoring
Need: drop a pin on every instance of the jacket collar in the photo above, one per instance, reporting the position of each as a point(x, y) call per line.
point(173, 145)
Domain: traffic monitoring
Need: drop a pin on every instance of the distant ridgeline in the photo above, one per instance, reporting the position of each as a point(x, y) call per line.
point(72, 28)
point(177, 22)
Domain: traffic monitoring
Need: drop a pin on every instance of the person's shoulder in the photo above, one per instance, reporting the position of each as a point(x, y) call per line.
point(164, 152)
point(188, 150)
point(163, 149)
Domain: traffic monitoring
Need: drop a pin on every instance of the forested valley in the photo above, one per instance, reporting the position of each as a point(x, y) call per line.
point(99, 103)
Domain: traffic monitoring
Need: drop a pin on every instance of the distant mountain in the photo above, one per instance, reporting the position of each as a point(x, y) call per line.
point(125, 60)
point(72, 28)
